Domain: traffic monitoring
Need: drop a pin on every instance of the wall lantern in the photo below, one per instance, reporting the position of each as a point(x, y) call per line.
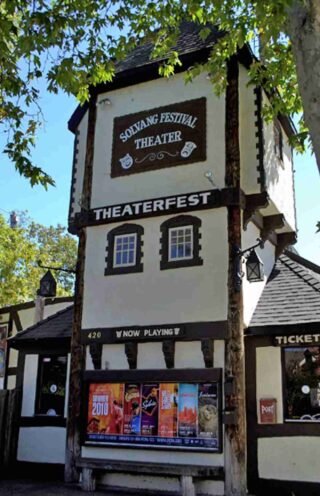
point(254, 265)
point(48, 285)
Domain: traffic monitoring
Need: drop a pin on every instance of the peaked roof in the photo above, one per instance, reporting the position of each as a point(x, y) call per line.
point(291, 295)
point(139, 66)
point(56, 326)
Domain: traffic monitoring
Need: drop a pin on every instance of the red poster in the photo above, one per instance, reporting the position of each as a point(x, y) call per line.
point(132, 409)
point(268, 411)
point(168, 410)
point(105, 414)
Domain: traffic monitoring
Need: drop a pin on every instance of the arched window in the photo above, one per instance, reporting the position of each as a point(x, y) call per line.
point(180, 242)
point(124, 251)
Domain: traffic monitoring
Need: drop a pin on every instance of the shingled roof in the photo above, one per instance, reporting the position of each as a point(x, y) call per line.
point(291, 295)
point(56, 326)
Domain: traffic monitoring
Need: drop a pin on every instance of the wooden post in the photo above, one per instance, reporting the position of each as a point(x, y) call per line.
point(78, 351)
point(235, 435)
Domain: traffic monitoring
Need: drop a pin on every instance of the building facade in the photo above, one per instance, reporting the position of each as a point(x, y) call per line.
point(171, 184)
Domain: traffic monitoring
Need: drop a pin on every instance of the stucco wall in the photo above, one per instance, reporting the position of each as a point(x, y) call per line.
point(29, 385)
point(248, 134)
point(289, 458)
point(42, 444)
point(167, 181)
point(189, 294)
point(279, 174)
point(269, 378)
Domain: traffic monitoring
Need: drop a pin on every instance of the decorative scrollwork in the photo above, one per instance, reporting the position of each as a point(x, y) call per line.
point(156, 156)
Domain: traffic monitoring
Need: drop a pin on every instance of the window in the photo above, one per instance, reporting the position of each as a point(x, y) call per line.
point(278, 140)
point(51, 391)
point(180, 242)
point(302, 383)
point(124, 250)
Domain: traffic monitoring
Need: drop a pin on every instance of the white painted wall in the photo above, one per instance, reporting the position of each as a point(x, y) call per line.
point(269, 378)
point(11, 383)
point(42, 444)
point(247, 135)
point(289, 458)
point(189, 294)
point(156, 456)
point(167, 181)
point(54, 308)
point(279, 175)
point(253, 290)
point(79, 166)
point(29, 385)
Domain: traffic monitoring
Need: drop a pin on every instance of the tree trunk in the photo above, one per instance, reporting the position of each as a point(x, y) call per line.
point(304, 31)
point(235, 435)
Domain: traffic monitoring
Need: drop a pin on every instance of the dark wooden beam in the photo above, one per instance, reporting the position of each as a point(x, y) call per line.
point(254, 203)
point(168, 348)
point(207, 347)
point(235, 433)
point(95, 350)
point(131, 351)
point(78, 351)
point(284, 240)
point(270, 224)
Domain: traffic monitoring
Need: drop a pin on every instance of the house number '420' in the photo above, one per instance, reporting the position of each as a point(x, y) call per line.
point(94, 335)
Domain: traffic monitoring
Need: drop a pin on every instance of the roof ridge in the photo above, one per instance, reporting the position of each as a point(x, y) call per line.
point(37, 324)
point(302, 272)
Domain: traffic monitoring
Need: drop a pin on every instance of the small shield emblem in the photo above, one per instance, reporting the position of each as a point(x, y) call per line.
point(126, 161)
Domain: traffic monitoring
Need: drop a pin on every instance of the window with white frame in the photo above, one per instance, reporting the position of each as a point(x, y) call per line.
point(181, 243)
point(125, 250)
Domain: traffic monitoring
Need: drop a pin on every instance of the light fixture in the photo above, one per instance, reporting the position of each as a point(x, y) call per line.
point(209, 175)
point(254, 265)
point(105, 101)
point(48, 285)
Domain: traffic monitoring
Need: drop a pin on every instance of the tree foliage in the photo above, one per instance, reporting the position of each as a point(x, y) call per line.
point(73, 45)
point(21, 248)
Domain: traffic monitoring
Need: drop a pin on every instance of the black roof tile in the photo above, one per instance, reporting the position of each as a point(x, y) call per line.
point(56, 326)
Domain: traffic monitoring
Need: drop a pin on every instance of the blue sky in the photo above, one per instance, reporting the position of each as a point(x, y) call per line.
point(54, 151)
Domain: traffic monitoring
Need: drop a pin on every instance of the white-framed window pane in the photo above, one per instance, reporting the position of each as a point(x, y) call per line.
point(181, 243)
point(125, 250)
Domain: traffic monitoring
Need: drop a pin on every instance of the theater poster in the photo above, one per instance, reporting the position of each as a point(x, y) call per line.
point(132, 409)
point(105, 415)
point(155, 415)
point(168, 410)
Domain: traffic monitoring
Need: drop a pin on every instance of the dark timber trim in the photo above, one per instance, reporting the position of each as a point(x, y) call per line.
point(176, 222)
point(124, 229)
point(283, 329)
point(284, 240)
point(189, 331)
point(74, 172)
point(270, 223)
point(253, 203)
point(260, 139)
point(78, 351)
point(235, 433)
point(150, 375)
point(43, 421)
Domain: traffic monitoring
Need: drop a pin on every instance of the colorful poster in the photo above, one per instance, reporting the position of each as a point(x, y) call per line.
point(132, 409)
point(150, 410)
point(207, 410)
point(105, 415)
point(188, 410)
point(168, 410)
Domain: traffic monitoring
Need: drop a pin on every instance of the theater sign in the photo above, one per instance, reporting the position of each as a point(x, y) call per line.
point(160, 137)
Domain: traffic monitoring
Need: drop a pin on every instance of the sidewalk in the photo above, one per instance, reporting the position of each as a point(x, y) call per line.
point(27, 487)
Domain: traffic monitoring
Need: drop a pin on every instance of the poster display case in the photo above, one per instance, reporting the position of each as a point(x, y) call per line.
point(176, 414)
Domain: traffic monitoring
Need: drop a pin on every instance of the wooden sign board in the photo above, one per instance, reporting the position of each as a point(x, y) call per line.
point(159, 137)
point(268, 411)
